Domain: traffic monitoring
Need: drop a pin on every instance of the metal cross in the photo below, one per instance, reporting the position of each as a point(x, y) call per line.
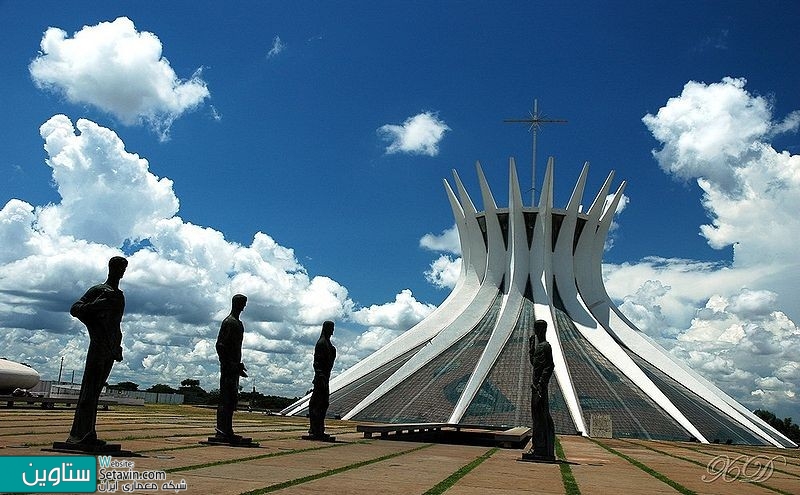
point(535, 121)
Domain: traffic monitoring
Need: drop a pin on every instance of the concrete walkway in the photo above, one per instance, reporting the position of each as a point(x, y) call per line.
point(166, 438)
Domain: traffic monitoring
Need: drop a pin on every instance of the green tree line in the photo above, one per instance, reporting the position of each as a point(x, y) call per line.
point(193, 393)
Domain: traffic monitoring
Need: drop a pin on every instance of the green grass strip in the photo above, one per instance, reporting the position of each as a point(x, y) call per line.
point(757, 483)
point(331, 472)
point(567, 478)
point(451, 480)
point(250, 458)
point(652, 472)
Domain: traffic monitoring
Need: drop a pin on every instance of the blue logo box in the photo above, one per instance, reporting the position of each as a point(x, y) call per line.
point(48, 474)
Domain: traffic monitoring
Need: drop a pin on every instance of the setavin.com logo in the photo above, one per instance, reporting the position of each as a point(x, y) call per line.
point(48, 474)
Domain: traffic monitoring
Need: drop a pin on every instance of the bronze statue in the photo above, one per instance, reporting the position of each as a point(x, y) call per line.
point(544, 433)
point(229, 350)
point(324, 356)
point(100, 309)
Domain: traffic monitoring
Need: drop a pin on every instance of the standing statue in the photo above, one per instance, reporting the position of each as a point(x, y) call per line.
point(229, 350)
point(324, 356)
point(100, 309)
point(544, 432)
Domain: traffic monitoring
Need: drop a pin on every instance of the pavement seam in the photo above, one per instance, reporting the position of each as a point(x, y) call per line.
point(331, 472)
point(567, 478)
point(698, 463)
point(647, 469)
point(451, 480)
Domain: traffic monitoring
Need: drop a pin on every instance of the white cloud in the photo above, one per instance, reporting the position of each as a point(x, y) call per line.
point(119, 70)
point(400, 315)
point(447, 241)
point(389, 320)
point(419, 135)
point(179, 281)
point(277, 47)
point(444, 272)
point(733, 322)
point(108, 195)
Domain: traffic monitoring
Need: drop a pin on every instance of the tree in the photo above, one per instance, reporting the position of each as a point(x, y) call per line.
point(125, 386)
point(784, 426)
point(192, 392)
point(267, 402)
point(160, 388)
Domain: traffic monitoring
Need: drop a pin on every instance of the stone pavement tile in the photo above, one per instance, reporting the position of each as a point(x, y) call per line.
point(782, 481)
point(272, 470)
point(202, 485)
point(173, 433)
point(504, 474)
point(716, 456)
point(782, 459)
point(776, 468)
point(683, 472)
point(412, 473)
point(598, 471)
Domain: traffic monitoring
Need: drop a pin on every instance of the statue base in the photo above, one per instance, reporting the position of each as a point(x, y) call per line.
point(319, 438)
point(235, 441)
point(112, 449)
point(531, 457)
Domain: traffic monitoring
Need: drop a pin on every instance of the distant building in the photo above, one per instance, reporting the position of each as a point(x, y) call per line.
point(468, 361)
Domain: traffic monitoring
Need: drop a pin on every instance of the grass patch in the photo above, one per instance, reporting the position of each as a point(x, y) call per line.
point(567, 478)
point(647, 469)
point(330, 472)
point(451, 480)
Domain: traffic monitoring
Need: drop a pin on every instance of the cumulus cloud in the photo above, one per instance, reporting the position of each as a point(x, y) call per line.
point(277, 47)
point(444, 271)
point(389, 320)
point(418, 135)
point(179, 281)
point(447, 241)
point(715, 132)
point(119, 70)
point(108, 195)
point(734, 322)
point(399, 315)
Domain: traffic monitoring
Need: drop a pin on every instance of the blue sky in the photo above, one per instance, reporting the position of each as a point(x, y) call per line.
point(296, 151)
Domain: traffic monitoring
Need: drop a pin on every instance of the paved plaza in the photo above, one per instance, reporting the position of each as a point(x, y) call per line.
point(167, 439)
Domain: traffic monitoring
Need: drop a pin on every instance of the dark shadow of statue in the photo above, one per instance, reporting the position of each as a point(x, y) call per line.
point(229, 350)
point(544, 433)
point(100, 309)
point(324, 356)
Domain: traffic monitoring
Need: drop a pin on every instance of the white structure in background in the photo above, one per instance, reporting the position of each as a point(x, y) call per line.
point(468, 362)
point(15, 375)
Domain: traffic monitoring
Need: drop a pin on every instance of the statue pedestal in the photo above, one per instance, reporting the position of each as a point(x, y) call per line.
point(531, 457)
point(320, 438)
point(235, 441)
point(112, 449)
